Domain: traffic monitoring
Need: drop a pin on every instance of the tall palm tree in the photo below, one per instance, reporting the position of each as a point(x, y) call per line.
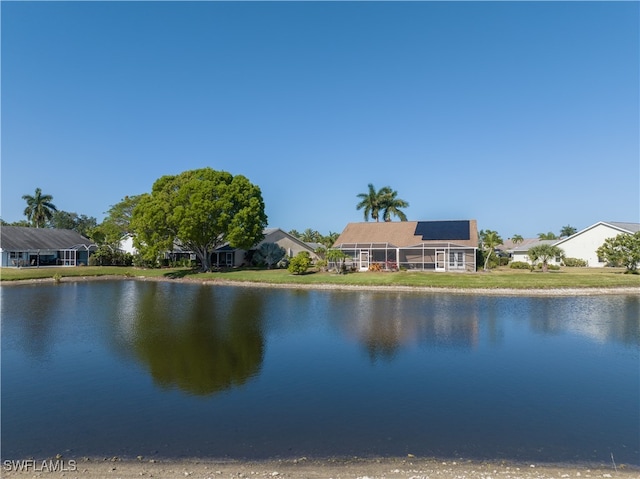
point(39, 208)
point(371, 203)
point(391, 205)
point(384, 200)
point(517, 239)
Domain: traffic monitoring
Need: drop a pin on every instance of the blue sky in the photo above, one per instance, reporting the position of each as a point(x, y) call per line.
point(524, 116)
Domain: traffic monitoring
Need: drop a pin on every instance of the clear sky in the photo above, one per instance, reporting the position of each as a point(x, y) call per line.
point(524, 116)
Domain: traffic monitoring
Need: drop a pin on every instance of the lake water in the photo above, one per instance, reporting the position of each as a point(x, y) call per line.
point(168, 369)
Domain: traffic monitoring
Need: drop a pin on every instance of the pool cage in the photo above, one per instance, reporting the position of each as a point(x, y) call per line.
point(421, 257)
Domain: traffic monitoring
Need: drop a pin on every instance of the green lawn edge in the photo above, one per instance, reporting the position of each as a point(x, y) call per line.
point(502, 278)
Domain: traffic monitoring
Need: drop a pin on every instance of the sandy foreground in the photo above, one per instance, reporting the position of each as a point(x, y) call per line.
point(337, 468)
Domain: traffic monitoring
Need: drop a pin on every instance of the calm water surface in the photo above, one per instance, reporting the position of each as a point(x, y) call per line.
point(170, 369)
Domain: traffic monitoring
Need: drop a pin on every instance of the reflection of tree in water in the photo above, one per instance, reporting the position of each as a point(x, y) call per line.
point(203, 347)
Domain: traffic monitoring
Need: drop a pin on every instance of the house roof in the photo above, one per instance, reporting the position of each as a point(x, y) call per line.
point(616, 225)
point(629, 227)
point(20, 238)
point(410, 233)
point(509, 245)
point(527, 246)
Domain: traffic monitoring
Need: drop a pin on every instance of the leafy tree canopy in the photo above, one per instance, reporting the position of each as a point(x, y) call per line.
point(622, 250)
point(83, 224)
point(117, 223)
point(202, 210)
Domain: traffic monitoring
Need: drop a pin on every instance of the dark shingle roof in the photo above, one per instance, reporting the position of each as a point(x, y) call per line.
point(20, 238)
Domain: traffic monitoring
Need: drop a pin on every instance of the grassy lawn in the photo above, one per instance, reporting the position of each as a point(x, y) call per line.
point(500, 278)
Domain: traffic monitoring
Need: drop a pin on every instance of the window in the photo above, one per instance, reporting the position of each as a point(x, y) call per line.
point(456, 260)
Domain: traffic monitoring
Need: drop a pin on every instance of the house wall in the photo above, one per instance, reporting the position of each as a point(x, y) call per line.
point(291, 246)
point(584, 244)
point(523, 257)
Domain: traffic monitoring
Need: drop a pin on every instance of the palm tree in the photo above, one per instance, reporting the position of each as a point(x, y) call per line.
point(391, 205)
point(517, 239)
point(39, 208)
point(544, 253)
point(489, 239)
point(371, 203)
point(547, 236)
point(567, 231)
point(384, 200)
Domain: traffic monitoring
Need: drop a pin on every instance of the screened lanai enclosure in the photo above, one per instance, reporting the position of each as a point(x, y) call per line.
point(35, 247)
point(415, 246)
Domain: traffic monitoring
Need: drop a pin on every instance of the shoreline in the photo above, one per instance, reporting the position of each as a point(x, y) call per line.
point(585, 291)
point(311, 468)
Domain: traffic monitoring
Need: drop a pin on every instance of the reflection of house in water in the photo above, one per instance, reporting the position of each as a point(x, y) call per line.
point(386, 322)
point(615, 318)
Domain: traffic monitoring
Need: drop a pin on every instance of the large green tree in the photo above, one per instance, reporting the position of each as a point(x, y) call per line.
point(39, 208)
point(622, 250)
point(543, 253)
point(489, 240)
point(202, 210)
point(117, 223)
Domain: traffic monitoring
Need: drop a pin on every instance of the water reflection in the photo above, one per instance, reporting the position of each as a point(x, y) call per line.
point(385, 323)
point(200, 342)
point(316, 373)
point(601, 319)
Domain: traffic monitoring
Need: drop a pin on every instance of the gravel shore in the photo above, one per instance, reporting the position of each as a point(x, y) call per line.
point(345, 287)
point(336, 468)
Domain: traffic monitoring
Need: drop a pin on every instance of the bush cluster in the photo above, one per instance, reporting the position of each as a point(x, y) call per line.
point(575, 262)
point(519, 265)
point(105, 256)
point(299, 263)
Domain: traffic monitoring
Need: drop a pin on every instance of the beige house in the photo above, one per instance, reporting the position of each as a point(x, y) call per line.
point(412, 245)
point(228, 257)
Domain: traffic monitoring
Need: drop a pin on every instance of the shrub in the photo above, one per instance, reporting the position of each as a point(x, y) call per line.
point(575, 262)
point(299, 263)
point(268, 254)
point(375, 267)
point(322, 264)
point(551, 267)
point(519, 265)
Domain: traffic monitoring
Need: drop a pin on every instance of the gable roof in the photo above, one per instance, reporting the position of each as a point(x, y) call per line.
point(628, 227)
point(21, 238)
point(619, 226)
point(527, 246)
point(410, 233)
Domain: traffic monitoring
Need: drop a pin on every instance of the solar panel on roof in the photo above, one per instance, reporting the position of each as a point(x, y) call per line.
point(443, 230)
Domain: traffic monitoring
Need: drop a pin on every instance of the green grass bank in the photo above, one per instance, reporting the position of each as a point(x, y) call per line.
point(502, 278)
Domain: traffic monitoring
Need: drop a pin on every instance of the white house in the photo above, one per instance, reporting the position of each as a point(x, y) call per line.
point(581, 245)
point(521, 252)
point(584, 243)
